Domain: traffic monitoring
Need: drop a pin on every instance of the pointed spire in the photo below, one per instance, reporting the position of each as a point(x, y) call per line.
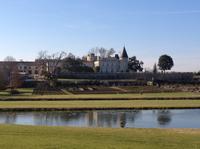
point(124, 53)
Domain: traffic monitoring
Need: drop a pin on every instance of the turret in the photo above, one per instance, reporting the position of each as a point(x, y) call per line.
point(124, 53)
point(124, 61)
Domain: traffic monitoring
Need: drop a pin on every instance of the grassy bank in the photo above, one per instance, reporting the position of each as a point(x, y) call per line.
point(179, 95)
point(105, 104)
point(34, 137)
point(22, 91)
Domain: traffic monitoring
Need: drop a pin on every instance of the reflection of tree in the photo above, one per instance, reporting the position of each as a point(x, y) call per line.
point(106, 119)
point(164, 117)
point(10, 118)
point(117, 118)
point(134, 115)
point(122, 120)
point(92, 118)
point(49, 118)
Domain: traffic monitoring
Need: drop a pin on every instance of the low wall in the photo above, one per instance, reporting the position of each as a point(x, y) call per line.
point(159, 77)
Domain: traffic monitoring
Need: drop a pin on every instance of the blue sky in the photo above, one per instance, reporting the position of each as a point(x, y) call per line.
point(148, 28)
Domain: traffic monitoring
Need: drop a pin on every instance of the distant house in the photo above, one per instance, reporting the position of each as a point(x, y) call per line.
point(89, 60)
point(35, 69)
point(109, 64)
point(29, 69)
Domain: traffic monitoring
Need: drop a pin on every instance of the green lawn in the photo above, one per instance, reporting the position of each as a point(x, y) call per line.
point(106, 96)
point(23, 92)
point(37, 137)
point(101, 104)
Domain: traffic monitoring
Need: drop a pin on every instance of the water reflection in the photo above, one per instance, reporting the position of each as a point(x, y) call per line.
point(123, 120)
point(56, 118)
point(8, 118)
point(164, 117)
point(114, 119)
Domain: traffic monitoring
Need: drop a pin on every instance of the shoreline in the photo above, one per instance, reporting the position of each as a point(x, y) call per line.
point(96, 99)
point(93, 109)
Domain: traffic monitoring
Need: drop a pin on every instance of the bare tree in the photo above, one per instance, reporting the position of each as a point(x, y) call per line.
point(15, 80)
point(94, 51)
point(49, 63)
point(102, 52)
point(110, 52)
point(72, 56)
point(9, 59)
point(11, 71)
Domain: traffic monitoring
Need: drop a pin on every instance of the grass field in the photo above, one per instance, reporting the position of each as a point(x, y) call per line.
point(44, 137)
point(23, 92)
point(108, 104)
point(37, 137)
point(106, 96)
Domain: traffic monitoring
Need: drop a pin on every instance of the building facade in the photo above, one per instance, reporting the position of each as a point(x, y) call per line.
point(35, 69)
point(109, 64)
point(25, 68)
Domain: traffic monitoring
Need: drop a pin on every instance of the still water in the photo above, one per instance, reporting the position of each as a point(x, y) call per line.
point(114, 119)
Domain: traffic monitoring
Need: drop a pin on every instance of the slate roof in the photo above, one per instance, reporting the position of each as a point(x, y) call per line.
point(124, 53)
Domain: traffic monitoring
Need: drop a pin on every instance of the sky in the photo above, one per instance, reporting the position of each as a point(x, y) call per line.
point(148, 28)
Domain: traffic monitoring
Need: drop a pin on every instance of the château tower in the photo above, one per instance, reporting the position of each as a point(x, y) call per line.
point(124, 61)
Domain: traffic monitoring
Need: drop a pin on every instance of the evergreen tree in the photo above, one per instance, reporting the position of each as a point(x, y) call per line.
point(155, 69)
point(165, 63)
